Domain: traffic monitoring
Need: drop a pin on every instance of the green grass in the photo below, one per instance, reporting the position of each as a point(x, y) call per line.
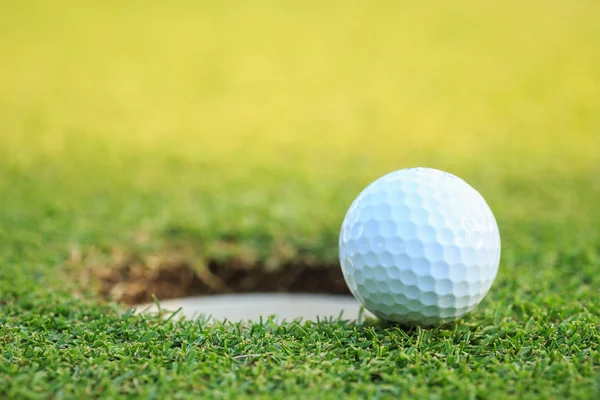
point(95, 352)
point(151, 127)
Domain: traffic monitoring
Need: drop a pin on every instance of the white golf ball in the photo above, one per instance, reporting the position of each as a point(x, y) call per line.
point(419, 246)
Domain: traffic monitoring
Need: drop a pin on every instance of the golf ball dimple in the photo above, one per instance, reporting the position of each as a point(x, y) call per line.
point(419, 246)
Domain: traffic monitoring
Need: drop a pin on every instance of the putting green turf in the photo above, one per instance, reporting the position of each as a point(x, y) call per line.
point(131, 127)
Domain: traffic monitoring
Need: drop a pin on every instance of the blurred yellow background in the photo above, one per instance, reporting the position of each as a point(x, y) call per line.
point(321, 84)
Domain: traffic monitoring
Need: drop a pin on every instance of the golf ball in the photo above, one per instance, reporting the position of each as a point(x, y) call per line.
point(419, 246)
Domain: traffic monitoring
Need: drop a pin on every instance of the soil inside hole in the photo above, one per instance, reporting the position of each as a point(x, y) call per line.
point(132, 280)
